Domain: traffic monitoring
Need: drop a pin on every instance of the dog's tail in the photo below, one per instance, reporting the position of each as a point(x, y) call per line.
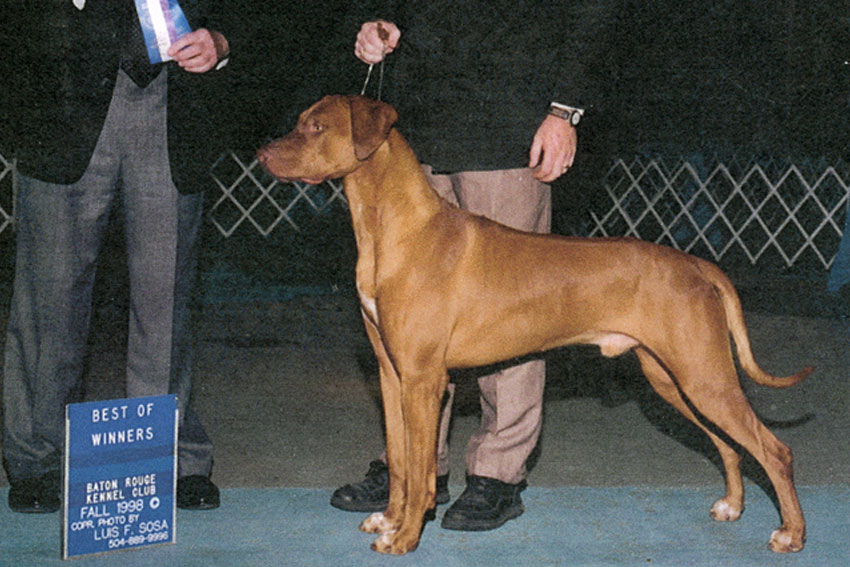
point(737, 326)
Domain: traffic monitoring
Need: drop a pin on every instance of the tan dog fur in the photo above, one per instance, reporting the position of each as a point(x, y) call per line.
point(441, 288)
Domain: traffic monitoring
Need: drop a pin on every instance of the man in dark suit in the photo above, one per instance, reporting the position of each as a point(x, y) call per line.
point(94, 123)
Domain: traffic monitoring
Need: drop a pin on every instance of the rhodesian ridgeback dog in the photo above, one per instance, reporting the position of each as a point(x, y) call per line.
point(441, 288)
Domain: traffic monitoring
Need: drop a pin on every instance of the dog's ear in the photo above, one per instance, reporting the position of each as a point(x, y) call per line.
point(371, 121)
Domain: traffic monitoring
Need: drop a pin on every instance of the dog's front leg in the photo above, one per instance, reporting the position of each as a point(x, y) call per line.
point(421, 397)
point(389, 520)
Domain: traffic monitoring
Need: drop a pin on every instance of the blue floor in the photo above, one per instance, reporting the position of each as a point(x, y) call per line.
point(630, 526)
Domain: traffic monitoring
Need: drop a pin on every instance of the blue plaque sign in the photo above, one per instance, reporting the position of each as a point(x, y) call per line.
point(120, 475)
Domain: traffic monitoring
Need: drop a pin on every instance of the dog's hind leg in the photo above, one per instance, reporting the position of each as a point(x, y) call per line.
point(708, 379)
point(730, 507)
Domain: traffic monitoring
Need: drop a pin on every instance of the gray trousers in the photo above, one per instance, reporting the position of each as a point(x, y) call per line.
point(60, 230)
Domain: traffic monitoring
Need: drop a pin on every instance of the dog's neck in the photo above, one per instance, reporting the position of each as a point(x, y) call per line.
point(399, 205)
point(386, 213)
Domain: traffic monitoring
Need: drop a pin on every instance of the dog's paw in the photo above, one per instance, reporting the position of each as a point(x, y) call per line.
point(377, 523)
point(783, 541)
point(390, 543)
point(723, 511)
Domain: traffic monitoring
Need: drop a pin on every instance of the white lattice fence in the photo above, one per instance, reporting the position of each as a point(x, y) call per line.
point(249, 196)
point(7, 168)
point(791, 210)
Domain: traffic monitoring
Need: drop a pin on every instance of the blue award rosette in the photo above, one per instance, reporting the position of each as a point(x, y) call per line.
point(163, 22)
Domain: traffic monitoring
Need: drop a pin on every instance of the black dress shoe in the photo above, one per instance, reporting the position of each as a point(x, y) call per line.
point(485, 504)
point(37, 495)
point(197, 492)
point(372, 494)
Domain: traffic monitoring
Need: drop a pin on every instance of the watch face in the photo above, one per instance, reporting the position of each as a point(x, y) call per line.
point(575, 118)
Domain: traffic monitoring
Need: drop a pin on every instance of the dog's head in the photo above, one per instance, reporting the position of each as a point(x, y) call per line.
point(333, 138)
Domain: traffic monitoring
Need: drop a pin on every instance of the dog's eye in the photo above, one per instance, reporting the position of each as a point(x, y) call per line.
point(316, 127)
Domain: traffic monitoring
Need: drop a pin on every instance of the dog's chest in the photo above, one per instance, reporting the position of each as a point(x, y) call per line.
point(368, 305)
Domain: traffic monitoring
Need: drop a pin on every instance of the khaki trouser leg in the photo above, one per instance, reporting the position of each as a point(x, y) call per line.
point(511, 399)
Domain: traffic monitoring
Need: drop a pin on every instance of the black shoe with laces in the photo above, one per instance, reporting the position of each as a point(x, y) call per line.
point(372, 494)
point(485, 504)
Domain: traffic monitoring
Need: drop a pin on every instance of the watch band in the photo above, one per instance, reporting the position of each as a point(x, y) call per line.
point(568, 113)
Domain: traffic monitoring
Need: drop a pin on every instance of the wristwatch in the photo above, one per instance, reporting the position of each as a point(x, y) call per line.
point(568, 113)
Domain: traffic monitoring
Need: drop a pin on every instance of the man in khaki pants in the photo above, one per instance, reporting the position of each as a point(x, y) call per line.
point(481, 100)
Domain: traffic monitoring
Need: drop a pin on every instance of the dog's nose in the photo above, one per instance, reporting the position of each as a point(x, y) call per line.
point(263, 156)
